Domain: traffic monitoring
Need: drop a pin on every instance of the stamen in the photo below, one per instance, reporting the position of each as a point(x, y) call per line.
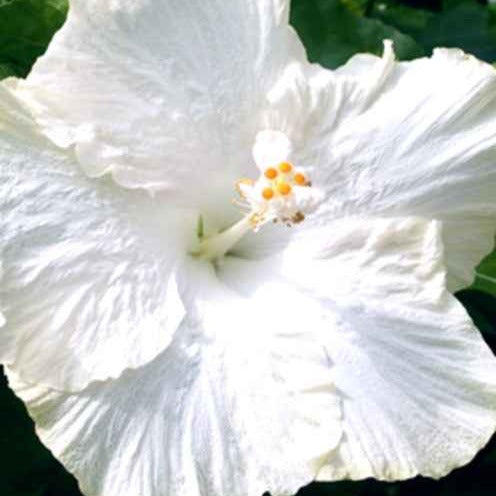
point(274, 197)
point(268, 193)
point(270, 173)
point(300, 179)
point(297, 218)
point(285, 167)
point(284, 188)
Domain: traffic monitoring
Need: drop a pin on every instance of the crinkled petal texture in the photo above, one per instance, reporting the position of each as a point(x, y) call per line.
point(164, 94)
point(90, 273)
point(231, 408)
point(151, 378)
point(416, 382)
point(344, 358)
point(411, 138)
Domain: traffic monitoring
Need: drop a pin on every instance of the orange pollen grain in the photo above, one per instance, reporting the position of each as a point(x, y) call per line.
point(284, 188)
point(285, 167)
point(300, 179)
point(268, 193)
point(270, 173)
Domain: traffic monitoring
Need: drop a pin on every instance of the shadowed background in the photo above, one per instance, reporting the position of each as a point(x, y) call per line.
point(332, 30)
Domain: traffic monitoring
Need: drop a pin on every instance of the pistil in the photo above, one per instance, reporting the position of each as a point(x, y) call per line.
point(216, 246)
point(281, 194)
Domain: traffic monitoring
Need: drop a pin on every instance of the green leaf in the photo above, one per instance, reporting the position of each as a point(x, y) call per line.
point(357, 6)
point(486, 275)
point(467, 26)
point(26, 28)
point(462, 24)
point(6, 70)
point(406, 19)
point(332, 33)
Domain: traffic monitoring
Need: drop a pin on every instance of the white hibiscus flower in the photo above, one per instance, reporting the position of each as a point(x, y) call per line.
point(167, 344)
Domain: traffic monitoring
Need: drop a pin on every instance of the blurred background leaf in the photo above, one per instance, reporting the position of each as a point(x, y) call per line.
point(459, 24)
point(486, 275)
point(6, 70)
point(332, 30)
point(26, 28)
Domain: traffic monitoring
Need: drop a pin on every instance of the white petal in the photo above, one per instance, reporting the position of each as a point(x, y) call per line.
point(163, 94)
point(89, 270)
point(222, 411)
point(468, 237)
point(2, 317)
point(419, 391)
point(409, 138)
point(426, 145)
point(416, 381)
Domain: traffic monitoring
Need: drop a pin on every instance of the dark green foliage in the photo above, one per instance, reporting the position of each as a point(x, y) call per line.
point(463, 24)
point(481, 307)
point(26, 467)
point(332, 30)
point(26, 27)
point(486, 275)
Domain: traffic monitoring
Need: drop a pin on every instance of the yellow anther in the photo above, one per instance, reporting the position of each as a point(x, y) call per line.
point(300, 179)
point(270, 173)
point(285, 167)
point(268, 193)
point(284, 188)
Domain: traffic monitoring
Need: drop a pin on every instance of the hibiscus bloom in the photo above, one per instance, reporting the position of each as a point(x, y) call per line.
point(166, 343)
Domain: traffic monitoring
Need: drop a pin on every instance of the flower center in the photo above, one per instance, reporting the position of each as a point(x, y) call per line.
point(282, 193)
point(278, 195)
